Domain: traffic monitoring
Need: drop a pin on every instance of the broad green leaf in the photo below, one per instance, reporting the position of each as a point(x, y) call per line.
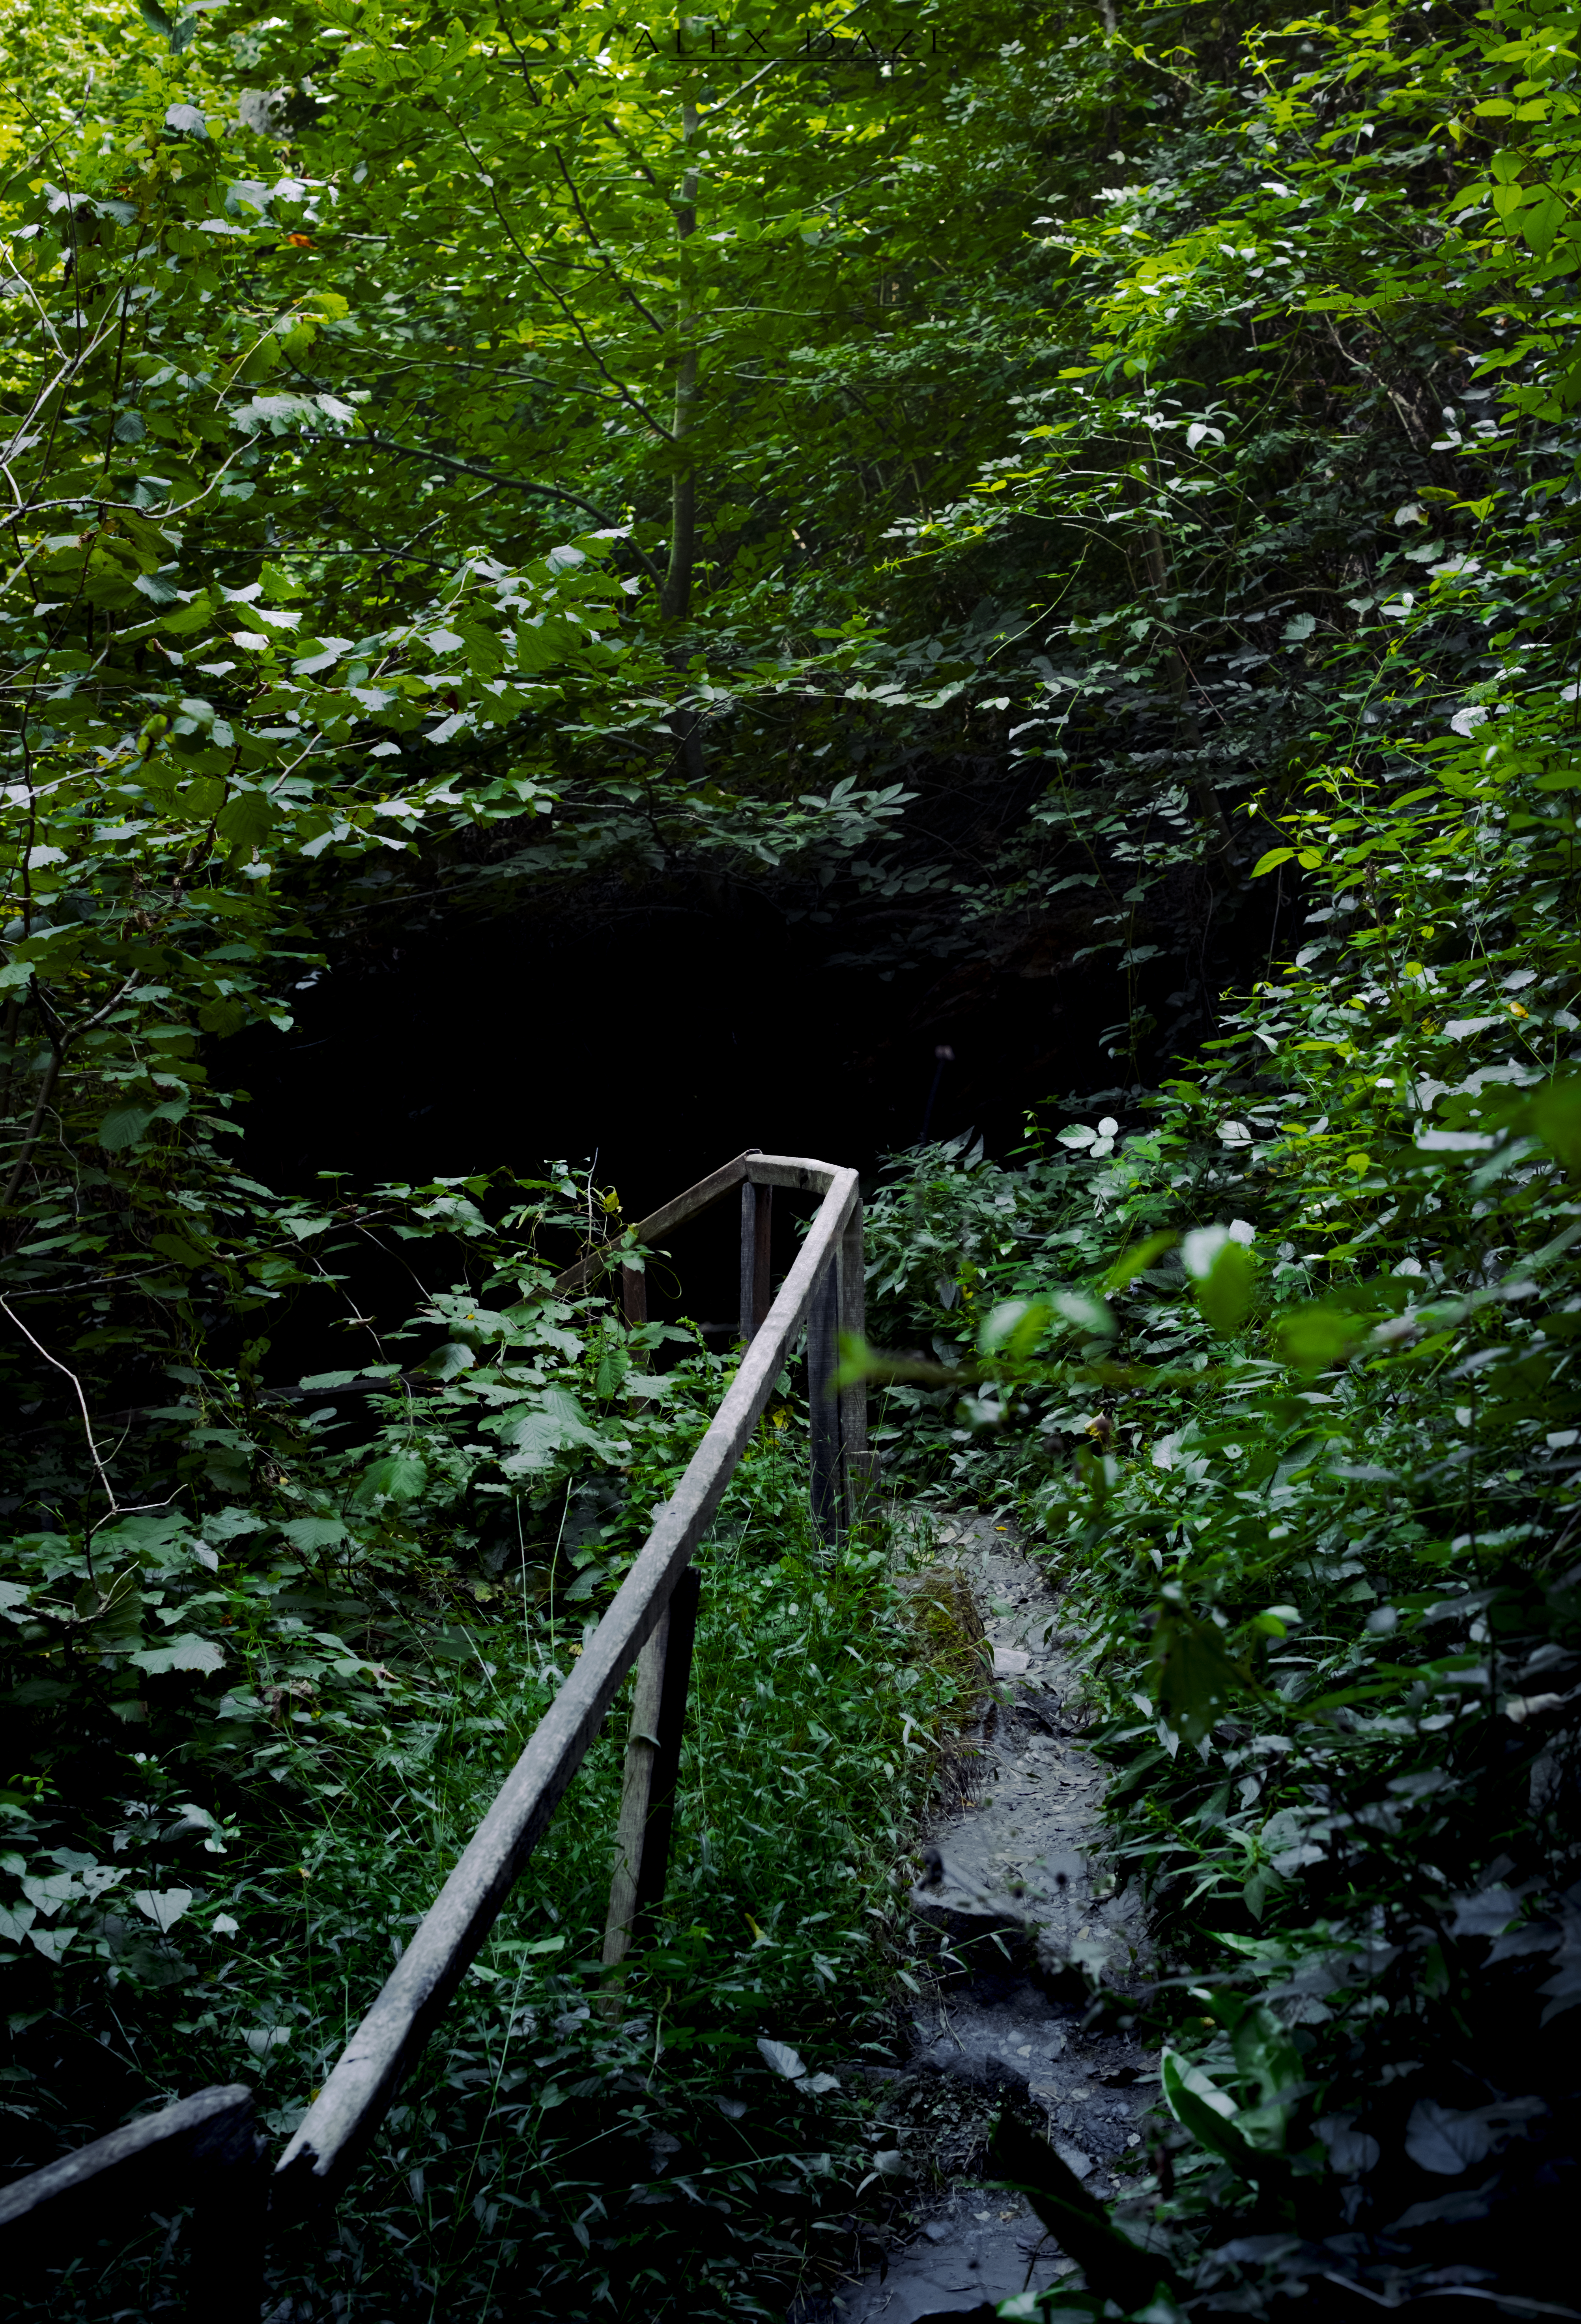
point(1138, 1257)
point(1194, 1679)
point(1224, 1292)
point(1087, 1313)
point(314, 1534)
point(246, 821)
point(171, 1245)
point(123, 1128)
point(163, 1906)
point(396, 1476)
point(186, 1653)
point(1313, 1337)
point(1014, 1327)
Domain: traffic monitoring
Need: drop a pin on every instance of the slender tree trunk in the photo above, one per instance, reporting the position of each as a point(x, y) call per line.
point(676, 598)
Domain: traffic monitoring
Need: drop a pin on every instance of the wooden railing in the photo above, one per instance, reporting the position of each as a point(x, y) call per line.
point(205, 2150)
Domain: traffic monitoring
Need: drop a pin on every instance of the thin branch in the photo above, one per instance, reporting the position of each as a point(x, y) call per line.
point(109, 1490)
point(61, 1040)
point(489, 476)
point(531, 263)
point(609, 264)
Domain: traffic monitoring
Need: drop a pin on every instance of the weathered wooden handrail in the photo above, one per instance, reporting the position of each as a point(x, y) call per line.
point(647, 1620)
point(343, 2119)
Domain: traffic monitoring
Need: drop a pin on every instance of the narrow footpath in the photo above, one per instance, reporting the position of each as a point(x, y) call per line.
point(1015, 1887)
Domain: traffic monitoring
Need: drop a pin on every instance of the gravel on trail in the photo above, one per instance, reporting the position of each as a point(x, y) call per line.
point(1014, 1884)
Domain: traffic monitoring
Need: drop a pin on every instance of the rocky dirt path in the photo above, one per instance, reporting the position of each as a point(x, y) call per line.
point(1015, 1892)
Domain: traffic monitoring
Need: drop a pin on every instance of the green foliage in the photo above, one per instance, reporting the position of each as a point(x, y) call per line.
point(1314, 1519)
point(247, 1872)
point(1046, 506)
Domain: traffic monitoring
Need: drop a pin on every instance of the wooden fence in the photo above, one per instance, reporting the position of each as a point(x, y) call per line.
point(204, 2152)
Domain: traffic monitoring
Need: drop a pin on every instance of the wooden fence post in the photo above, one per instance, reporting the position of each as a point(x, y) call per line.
point(827, 1483)
point(653, 1767)
point(634, 1295)
point(859, 1463)
point(756, 1230)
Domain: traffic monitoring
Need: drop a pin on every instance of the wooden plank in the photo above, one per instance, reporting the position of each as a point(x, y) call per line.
point(853, 1397)
point(338, 2126)
point(762, 1256)
point(634, 1295)
point(204, 2153)
point(673, 1214)
point(156, 2143)
point(748, 1320)
point(798, 1172)
point(757, 1258)
point(681, 1632)
point(828, 1484)
point(642, 1750)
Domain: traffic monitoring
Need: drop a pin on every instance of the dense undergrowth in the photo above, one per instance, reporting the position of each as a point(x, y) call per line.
point(218, 1893)
point(1280, 1372)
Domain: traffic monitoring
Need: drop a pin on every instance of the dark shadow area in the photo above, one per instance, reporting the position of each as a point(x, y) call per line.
point(661, 1038)
point(662, 1041)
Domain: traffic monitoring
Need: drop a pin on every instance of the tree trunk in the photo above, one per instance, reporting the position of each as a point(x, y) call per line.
point(676, 600)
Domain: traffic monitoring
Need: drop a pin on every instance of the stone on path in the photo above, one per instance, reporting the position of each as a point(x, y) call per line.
point(1009, 1889)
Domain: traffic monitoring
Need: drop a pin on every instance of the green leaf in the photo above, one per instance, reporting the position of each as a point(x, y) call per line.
point(1208, 2114)
point(1541, 222)
point(1555, 1114)
point(1014, 1327)
point(1138, 1258)
point(186, 1653)
point(124, 1128)
point(313, 1534)
point(223, 1016)
point(163, 1906)
point(1225, 1293)
point(397, 1477)
point(246, 821)
point(1087, 1313)
point(1272, 860)
point(1315, 1336)
point(171, 1245)
point(187, 619)
point(1193, 1677)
